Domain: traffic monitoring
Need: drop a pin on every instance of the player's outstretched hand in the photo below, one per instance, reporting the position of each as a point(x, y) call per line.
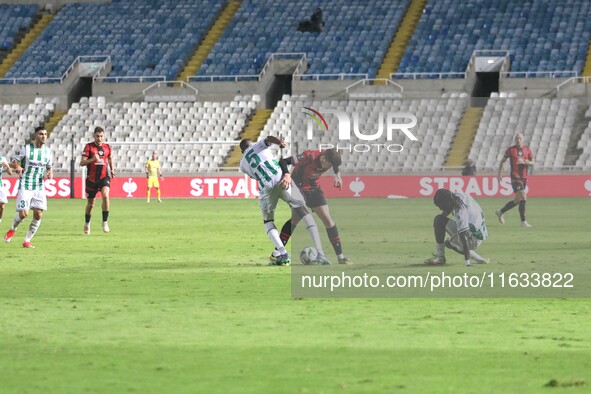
point(285, 181)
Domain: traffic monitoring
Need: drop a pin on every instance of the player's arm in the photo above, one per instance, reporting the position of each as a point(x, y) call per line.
point(50, 173)
point(159, 171)
point(274, 140)
point(7, 166)
point(147, 169)
point(464, 240)
point(286, 176)
point(338, 182)
point(86, 159)
point(499, 175)
point(15, 163)
point(530, 159)
point(110, 160)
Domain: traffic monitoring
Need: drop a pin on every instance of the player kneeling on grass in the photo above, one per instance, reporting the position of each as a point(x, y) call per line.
point(467, 229)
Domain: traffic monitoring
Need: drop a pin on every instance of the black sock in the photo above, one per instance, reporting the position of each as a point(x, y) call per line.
point(87, 218)
point(522, 210)
point(439, 227)
point(510, 205)
point(105, 216)
point(335, 240)
point(285, 233)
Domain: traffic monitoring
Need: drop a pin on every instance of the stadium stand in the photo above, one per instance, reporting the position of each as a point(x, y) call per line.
point(546, 123)
point(17, 122)
point(137, 128)
point(145, 39)
point(541, 35)
point(438, 120)
point(584, 143)
point(356, 35)
point(14, 19)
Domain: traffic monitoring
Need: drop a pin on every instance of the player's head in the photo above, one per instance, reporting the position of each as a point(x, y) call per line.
point(99, 135)
point(331, 158)
point(154, 155)
point(40, 135)
point(447, 201)
point(245, 143)
point(518, 139)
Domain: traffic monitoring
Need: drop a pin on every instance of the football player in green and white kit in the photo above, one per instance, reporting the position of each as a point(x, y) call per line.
point(3, 200)
point(33, 163)
point(467, 229)
point(258, 163)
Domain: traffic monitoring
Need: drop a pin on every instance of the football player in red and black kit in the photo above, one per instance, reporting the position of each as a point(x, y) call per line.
point(307, 168)
point(520, 158)
point(97, 157)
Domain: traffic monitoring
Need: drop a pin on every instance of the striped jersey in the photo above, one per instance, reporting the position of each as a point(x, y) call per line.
point(2, 160)
point(471, 218)
point(517, 156)
point(34, 161)
point(258, 163)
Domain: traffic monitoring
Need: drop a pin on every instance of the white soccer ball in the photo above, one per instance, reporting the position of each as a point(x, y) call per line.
point(308, 255)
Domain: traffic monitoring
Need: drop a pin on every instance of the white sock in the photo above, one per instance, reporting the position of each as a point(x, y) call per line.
point(273, 235)
point(475, 256)
point(440, 250)
point(33, 227)
point(313, 231)
point(16, 221)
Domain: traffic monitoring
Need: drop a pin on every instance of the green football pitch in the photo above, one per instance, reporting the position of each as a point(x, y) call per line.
point(179, 298)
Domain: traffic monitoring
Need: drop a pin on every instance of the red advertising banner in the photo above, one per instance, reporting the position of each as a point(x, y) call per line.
point(370, 186)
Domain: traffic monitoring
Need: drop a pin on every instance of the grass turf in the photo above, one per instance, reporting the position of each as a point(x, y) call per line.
point(177, 298)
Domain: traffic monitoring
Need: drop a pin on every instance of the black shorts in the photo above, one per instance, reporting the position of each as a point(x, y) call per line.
point(314, 197)
point(92, 188)
point(518, 184)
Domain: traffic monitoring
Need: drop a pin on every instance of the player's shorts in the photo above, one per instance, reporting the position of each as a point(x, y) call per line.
point(31, 199)
point(92, 188)
point(452, 229)
point(269, 198)
point(153, 182)
point(3, 199)
point(518, 184)
point(314, 197)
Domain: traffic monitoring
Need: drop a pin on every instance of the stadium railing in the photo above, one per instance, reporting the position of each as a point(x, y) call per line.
point(573, 80)
point(104, 59)
point(539, 74)
point(428, 75)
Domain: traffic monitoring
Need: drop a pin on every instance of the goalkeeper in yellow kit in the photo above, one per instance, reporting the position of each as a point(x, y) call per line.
point(153, 172)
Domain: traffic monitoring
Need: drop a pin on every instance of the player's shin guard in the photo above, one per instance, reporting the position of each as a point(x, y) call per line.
point(510, 205)
point(335, 240)
point(286, 230)
point(522, 210)
point(273, 235)
point(105, 216)
point(33, 227)
point(16, 221)
point(439, 224)
point(313, 231)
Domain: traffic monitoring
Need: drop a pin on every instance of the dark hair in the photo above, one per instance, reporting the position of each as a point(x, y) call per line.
point(98, 129)
point(245, 143)
point(333, 157)
point(39, 128)
point(447, 201)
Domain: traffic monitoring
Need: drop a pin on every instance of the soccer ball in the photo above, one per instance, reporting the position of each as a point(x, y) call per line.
point(308, 255)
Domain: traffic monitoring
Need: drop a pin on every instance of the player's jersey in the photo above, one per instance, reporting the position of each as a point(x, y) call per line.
point(34, 161)
point(471, 218)
point(153, 166)
point(517, 156)
point(307, 169)
point(258, 163)
point(98, 169)
point(2, 160)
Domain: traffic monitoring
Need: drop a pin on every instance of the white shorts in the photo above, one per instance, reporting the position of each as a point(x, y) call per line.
point(269, 197)
point(3, 199)
point(31, 199)
point(452, 229)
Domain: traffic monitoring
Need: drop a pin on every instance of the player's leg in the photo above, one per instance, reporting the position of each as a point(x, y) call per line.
point(91, 191)
point(522, 200)
point(517, 187)
point(23, 201)
point(3, 200)
point(105, 206)
point(332, 231)
point(294, 197)
point(268, 203)
point(439, 228)
point(38, 205)
point(157, 186)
